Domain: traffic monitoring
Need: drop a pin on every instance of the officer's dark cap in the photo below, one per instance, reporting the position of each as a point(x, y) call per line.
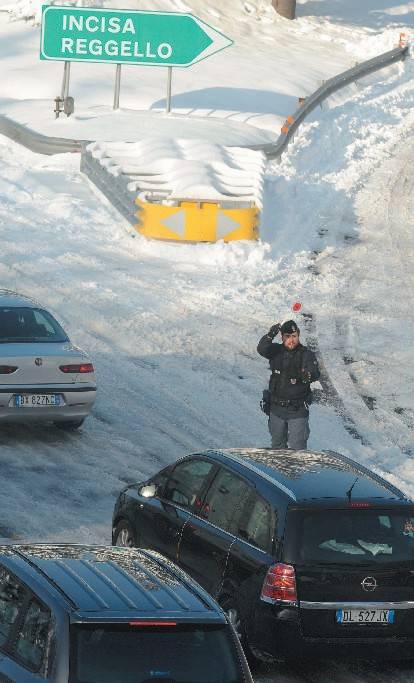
point(289, 327)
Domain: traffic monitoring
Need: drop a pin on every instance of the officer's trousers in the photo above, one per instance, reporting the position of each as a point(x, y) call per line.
point(289, 431)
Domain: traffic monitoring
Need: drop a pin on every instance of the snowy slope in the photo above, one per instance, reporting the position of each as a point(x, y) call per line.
point(172, 333)
point(354, 189)
point(173, 328)
point(271, 64)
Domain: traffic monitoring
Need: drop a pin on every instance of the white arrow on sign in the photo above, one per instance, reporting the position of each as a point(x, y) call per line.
point(219, 40)
point(225, 225)
point(176, 223)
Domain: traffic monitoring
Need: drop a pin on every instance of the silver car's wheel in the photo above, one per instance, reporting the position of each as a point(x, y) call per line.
point(124, 535)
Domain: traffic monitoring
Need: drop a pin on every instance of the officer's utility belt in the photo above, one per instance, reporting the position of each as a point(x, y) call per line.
point(296, 403)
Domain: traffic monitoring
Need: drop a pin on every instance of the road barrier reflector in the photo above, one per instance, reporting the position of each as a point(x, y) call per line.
point(191, 221)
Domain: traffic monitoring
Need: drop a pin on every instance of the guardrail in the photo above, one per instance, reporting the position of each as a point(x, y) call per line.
point(114, 188)
point(153, 209)
point(44, 144)
point(36, 142)
point(292, 123)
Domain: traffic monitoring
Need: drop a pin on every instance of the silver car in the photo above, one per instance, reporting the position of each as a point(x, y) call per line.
point(43, 377)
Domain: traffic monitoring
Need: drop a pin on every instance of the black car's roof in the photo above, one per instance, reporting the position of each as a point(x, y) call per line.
point(112, 580)
point(310, 475)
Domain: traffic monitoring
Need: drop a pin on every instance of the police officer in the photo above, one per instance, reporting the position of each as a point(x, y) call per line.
point(293, 368)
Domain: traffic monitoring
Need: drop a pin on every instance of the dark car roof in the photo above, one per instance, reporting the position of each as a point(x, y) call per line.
point(310, 475)
point(113, 582)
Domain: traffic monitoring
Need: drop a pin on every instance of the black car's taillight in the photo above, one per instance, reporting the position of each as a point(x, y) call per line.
point(82, 368)
point(7, 369)
point(279, 585)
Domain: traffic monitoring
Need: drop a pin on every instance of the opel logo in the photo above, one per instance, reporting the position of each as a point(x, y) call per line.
point(369, 584)
point(38, 361)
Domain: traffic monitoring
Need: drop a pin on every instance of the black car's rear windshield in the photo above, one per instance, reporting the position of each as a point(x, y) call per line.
point(157, 654)
point(351, 536)
point(21, 324)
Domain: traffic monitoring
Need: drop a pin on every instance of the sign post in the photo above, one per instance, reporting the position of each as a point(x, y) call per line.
point(169, 83)
point(74, 34)
point(117, 86)
point(65, 80)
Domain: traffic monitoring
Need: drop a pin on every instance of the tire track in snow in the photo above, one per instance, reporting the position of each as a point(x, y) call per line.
point(386, 207)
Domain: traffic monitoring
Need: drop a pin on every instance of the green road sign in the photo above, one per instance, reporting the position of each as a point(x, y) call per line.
point(130, 37)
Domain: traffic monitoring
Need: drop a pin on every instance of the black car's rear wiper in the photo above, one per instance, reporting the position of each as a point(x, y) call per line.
point(18, 340)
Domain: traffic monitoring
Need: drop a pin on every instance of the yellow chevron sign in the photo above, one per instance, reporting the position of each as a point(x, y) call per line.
point(196, 222)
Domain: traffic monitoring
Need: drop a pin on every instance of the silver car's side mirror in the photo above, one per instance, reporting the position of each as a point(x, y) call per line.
point(148, 491)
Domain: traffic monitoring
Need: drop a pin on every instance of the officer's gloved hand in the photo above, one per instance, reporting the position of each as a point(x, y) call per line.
point(274, 330)
point(306, 376)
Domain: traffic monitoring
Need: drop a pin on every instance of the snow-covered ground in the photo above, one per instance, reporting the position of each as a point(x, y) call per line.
point(351, 167)
point(173, 328)
point(258, 80)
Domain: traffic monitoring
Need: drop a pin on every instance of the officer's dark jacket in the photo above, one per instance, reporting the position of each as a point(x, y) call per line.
point(287, 381)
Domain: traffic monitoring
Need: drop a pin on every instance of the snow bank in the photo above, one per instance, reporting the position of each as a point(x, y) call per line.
point(169, 170)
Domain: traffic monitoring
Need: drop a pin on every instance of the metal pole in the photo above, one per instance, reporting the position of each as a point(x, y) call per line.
point(117, 86)
point(62, 90)
point(65, 81)
point(169, 81)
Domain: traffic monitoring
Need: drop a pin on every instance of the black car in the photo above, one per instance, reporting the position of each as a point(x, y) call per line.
point(96, 614)
point(310, 554)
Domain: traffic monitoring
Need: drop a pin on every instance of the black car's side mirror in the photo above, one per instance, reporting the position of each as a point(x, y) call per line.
point(148, 491)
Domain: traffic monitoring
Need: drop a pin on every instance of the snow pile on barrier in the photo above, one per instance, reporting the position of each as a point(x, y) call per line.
point(170, 170)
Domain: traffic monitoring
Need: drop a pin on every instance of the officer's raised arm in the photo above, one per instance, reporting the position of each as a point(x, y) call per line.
point(265, 347)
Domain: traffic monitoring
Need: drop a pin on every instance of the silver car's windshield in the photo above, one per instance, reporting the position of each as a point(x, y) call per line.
point(29, 325)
